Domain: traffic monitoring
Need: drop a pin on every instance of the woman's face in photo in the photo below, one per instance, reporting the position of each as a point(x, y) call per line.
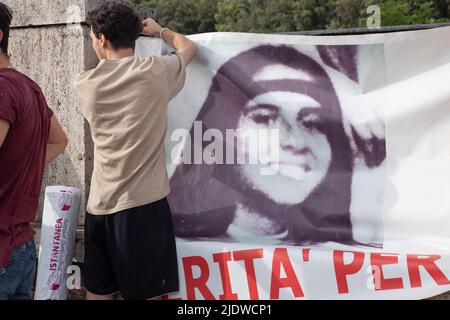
point(302, 152)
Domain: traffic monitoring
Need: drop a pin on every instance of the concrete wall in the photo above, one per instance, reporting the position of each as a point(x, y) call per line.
point(51, 12)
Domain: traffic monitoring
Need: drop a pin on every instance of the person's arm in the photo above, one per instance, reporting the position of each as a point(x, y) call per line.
point(185, 47)
point(4, 128)
point(57, 141)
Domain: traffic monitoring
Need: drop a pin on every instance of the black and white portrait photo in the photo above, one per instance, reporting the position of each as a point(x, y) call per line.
point(317, 178)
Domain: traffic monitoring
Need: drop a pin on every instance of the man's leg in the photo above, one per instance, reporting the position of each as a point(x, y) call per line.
point(16, 279)
point(144, 251)
point(99, 274)
point(24, 290)
point(5, 284)
point(92, 297)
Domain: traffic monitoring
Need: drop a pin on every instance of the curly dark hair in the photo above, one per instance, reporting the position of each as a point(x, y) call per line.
point(117, 22)
point(5, 22)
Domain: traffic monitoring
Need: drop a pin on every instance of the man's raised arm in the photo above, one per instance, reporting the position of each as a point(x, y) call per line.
point(185, 47)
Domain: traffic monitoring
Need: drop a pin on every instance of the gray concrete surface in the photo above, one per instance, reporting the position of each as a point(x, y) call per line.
point(53, 12)
point(53, 56)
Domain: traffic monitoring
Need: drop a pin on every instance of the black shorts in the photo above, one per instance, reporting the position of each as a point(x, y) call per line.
point(132, 252)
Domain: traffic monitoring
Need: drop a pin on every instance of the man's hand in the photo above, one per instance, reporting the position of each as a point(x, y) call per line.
point(57, 141)
point(4, 128)
point(152, 27)
point(365, 114)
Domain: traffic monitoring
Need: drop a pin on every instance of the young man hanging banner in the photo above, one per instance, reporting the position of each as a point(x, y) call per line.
point(307, 167)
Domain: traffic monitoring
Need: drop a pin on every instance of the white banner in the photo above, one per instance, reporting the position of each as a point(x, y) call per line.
point(312, 167)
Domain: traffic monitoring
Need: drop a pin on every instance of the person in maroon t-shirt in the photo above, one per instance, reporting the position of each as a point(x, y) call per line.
point(30, 138)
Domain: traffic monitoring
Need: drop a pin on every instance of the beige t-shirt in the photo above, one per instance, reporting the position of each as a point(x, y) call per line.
point(125, 102)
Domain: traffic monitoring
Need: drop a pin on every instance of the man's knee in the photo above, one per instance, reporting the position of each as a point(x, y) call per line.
point(95, 297)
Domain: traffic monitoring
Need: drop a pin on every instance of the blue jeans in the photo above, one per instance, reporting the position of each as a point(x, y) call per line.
point(16, 279)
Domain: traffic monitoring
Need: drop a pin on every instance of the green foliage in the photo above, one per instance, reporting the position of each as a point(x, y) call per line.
point(271, 16)
point(314, 14)
point(233, 15)
point(349, 14)
point(185, 16)
point(405, 12)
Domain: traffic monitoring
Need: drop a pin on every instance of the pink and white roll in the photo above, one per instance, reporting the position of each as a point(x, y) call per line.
point(57, 244)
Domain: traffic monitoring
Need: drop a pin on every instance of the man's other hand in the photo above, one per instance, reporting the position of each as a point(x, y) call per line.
point(152, 27)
